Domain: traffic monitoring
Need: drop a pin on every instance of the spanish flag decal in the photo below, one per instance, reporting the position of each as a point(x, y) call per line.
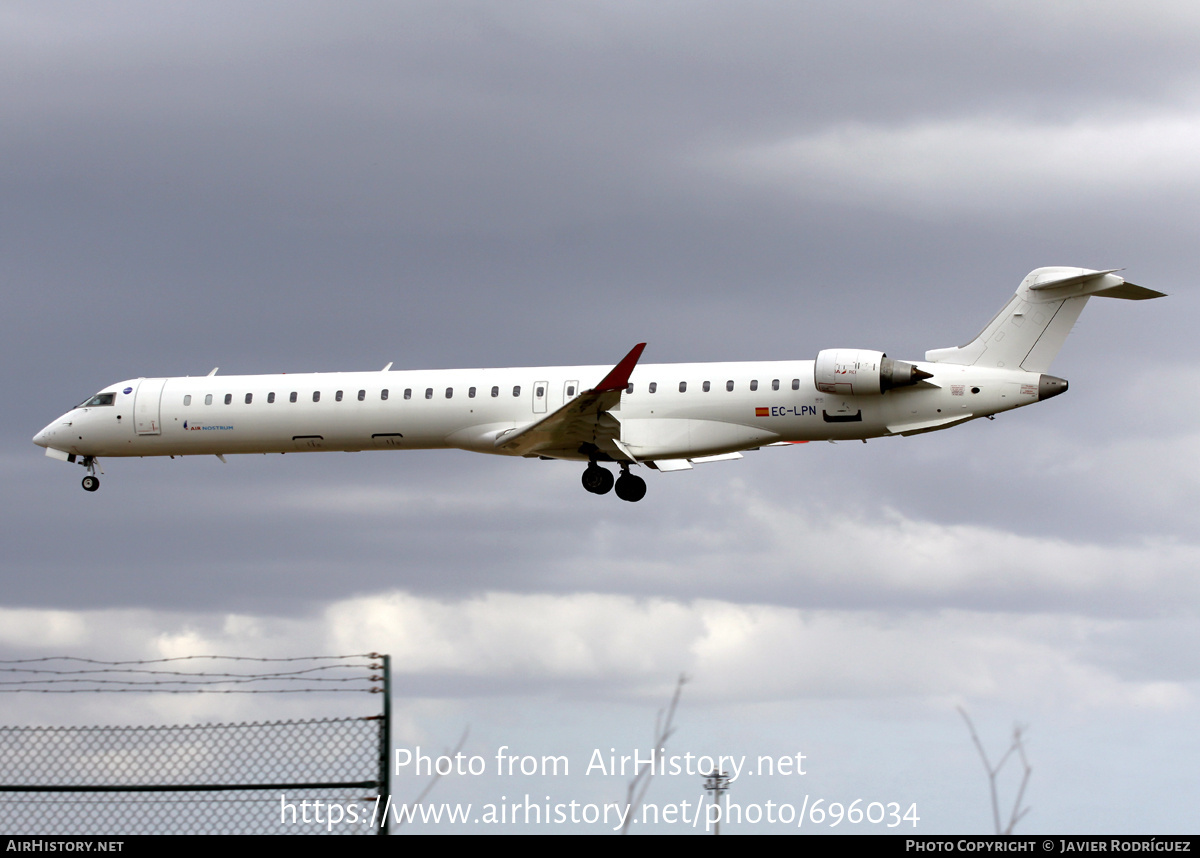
point(762, 412)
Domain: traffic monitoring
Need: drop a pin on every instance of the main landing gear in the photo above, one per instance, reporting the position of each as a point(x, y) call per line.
point(599, 481)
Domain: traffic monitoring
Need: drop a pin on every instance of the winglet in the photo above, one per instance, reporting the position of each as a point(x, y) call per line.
point(619, 376)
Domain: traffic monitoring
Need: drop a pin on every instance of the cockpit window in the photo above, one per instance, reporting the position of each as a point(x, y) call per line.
point(98, 399)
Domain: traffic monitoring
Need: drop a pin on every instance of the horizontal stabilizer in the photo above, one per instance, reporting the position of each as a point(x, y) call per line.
point(1130, 292)
point(1057, 280)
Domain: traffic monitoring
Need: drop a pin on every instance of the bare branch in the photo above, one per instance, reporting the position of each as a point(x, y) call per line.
point(1016, 747)
point(664, 728)
point(1019, 745)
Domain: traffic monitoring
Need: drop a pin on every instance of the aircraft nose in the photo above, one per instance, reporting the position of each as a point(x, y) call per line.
point(43, 438)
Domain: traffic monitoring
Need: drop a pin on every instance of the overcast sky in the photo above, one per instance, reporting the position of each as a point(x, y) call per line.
point(304, 187)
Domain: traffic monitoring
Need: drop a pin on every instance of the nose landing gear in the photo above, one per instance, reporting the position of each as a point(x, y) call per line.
point(91, 482)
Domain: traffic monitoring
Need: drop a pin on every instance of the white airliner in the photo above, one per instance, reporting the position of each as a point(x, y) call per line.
point(664, 416)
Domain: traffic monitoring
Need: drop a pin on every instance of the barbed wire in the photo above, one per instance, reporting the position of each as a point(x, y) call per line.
point(135, 676)
point(190, 658)
point(278, 674)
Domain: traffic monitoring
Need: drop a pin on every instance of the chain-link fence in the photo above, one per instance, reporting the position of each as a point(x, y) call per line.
point(279, 777)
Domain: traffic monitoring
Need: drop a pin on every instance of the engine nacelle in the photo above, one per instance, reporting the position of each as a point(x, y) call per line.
point(859, 372)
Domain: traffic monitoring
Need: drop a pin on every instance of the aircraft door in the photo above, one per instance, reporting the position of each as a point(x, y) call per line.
point(570, 391)
point(147, 403)
point(540, 388)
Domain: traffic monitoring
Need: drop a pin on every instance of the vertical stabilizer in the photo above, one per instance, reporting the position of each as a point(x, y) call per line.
point(1035, 322)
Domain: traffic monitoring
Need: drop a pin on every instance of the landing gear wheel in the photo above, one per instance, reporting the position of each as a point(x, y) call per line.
point(91, 483)
point(597, 480)
point(631, 488)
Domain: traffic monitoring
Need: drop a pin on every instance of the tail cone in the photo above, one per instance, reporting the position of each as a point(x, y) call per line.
point(1050, 385)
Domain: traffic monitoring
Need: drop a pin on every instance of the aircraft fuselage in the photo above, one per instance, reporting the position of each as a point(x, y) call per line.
point(699, 409)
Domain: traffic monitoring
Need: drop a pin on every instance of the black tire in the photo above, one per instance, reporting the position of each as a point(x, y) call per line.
point(631, 488)
point(597, 480)
point(90, 483)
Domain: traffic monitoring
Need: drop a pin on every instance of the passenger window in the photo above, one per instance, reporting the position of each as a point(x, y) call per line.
point(683, 387)
point(541, 391)
point(495, 391)
point(774, 384)
point(517, 390)
point(449, 392)
point(208, 399)
point(187, 400)
point(629, 387)
point(383, 394)
point(362, 395)
point(337, 396)
point(653, 387)
point(228, 398)
point(249, 398)
point(753, 384)
point(429, 393)
point(706, 386)
point(795, 384)
point(570, 390)
point(271, 398)
point(729, 386)
point(471, 393)
point(316, 396)
point(292, 398)
point(408, 393)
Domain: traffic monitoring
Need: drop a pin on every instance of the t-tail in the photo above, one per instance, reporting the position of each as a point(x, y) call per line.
point(1028, 332)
